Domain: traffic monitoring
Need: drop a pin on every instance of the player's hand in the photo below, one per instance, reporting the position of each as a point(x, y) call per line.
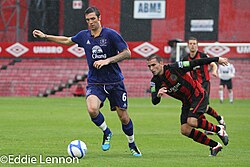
point(223, 61)
point(39, 34)
point(162, 91)
point(100, 63)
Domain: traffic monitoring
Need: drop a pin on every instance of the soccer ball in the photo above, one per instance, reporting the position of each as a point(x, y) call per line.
point(77, 148)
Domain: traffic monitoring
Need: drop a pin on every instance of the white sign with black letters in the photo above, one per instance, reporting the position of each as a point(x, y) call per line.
point(149, 9)
point(202, 25)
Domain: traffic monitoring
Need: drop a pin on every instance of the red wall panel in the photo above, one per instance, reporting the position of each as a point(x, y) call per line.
point(173, 24)
point(8, 18)
point(110, 12)
point(234, 21)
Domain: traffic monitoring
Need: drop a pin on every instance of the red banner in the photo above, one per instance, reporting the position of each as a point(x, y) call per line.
point(138, 49)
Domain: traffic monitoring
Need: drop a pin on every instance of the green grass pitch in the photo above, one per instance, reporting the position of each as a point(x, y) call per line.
point(45, 126)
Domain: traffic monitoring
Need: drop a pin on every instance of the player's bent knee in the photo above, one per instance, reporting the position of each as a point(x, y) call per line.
point(185, 132)
point(192, 122)
point(93, 112)
point(124, 119)
point(123, 115)
point(186, 129)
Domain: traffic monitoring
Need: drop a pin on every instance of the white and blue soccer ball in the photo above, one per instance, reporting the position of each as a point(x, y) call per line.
point(77, 148)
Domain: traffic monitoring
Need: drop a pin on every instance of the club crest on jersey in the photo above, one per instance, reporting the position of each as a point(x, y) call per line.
point(97, 53)
point(173, 77)
point(103, 42)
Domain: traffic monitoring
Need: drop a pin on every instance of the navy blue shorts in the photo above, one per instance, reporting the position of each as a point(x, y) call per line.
point(116, 94)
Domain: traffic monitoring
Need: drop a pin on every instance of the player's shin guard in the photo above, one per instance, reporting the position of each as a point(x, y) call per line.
point(204, 124)
point(129, 131)
point(200, 137)
point(100, 122)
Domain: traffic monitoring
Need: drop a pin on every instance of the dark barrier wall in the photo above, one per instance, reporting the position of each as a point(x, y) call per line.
point(202, 10)
point(74, 18)
point(133, 29)
point(43, 15)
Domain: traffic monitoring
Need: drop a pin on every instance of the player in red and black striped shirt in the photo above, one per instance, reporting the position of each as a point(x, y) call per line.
point(201, 74)
point(174, 80)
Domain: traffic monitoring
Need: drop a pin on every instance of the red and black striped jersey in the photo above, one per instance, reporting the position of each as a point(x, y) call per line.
point(201, 72)
point(180, 85)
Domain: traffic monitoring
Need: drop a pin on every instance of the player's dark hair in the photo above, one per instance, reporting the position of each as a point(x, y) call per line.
point(155, 56)
point(192, 38)
point(92, 9)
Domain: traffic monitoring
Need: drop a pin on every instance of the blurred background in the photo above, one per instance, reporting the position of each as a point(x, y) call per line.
point(34, 67)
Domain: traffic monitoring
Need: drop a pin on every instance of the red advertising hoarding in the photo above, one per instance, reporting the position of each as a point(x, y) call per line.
point(138, 50)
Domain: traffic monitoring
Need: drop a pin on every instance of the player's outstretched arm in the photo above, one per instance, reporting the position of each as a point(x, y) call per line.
point(188, 65)
point(197, 62)
point(58, 39)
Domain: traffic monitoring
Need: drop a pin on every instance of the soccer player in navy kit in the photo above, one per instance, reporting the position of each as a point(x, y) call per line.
point(104, 47)
point(201, 74)
point(172, 79)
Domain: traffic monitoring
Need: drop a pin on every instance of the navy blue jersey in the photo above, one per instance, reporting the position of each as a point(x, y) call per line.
point(109, 43)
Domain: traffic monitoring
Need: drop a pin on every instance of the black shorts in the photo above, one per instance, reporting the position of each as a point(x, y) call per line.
point(227, 83)
point(198, 107)
point(206, 87)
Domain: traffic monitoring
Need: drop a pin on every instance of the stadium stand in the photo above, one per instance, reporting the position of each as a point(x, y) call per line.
point(33, 76)
point(7, 62)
